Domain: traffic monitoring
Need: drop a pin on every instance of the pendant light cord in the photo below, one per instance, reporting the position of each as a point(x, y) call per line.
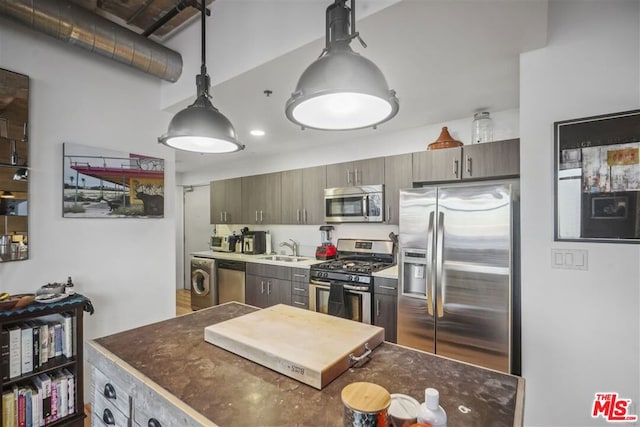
point(203, 67)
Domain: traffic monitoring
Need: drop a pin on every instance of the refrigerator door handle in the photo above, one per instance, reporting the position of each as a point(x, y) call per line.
point(429, 274)
point(440, 283)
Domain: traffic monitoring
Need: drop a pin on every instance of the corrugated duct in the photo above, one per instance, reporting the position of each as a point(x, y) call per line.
point(79, 27)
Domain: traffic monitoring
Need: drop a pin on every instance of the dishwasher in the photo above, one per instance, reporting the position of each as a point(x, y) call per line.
point(230, 281)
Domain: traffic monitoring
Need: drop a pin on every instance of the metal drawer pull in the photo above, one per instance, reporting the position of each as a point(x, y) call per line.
point(109, 391)
point(154, 423)
point(353, 359)
point(387, 287)
point(299, 275)
point(107, 417)
point(299, 289)
point(300, 303)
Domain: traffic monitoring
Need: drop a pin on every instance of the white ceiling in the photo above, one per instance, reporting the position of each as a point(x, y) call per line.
point(446, 59)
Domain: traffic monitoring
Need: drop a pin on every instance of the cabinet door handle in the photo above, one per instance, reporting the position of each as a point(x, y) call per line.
point(225, 216)
point(256, 216)
point(109, 391)
point(299, 289)
point(261, 219)
point(388, 213)
point(262, 286)
point(298, 215)
point(469, 165)
point(300, 303)
point(387, 287)
point(221, 220)
point(355, 174)
point(299, 275)
point(153, 423)
point(456, 163)
point(348, 176)
point(107, 417)
point(377, 307)
point(269, 288)
point(305, 216)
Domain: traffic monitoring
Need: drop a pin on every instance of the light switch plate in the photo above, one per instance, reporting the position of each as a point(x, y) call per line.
point(570, 259)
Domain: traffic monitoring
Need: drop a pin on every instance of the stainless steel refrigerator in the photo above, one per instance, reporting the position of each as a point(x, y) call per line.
point(459, 282)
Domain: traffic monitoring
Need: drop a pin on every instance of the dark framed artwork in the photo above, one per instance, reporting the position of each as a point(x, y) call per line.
point(102, 183)
point(597, 178)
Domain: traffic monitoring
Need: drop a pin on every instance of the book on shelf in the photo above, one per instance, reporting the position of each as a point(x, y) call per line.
point(4, 354)
point(8, 408)
point(44, 343)
point(35, 329)
point(15, 351)
point(71, 390)
point(67, 339)
point(26, 356)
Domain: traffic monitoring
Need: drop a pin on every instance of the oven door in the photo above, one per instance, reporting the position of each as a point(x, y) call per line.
point(360, 300)
point(353, 204)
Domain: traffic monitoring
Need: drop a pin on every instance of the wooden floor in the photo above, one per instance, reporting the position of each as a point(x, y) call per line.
point(183, 301)
point(183, 306)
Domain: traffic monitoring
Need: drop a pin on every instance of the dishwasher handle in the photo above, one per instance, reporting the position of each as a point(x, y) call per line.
point(231, 265)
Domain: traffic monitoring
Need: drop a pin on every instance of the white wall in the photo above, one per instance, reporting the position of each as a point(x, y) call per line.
point(125, 266)
point(580, 329)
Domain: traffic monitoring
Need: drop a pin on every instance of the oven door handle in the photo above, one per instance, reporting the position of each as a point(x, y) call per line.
point(363, 289)
point(319, 283)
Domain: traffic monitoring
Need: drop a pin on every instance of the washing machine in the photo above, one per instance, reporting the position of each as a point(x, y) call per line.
point(204, 292)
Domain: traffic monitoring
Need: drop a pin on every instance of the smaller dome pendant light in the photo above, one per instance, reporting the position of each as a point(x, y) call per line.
point(201, 127)
point(341, 90)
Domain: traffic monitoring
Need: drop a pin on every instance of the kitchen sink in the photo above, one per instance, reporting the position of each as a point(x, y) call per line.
point(284, 258)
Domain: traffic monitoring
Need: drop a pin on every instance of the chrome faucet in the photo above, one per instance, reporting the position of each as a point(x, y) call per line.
point(293, 246)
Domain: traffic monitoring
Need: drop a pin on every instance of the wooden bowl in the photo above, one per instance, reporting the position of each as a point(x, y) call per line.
point(23, 300)
point(9, 303)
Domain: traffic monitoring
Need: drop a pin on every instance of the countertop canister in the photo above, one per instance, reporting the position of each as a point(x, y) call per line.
point(365, 404)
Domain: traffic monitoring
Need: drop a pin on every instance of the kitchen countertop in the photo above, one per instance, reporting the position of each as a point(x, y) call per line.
point(172, 357)
point(389, 273)
point(258, 259)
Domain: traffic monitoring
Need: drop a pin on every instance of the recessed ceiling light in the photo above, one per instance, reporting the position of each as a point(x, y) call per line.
point(257, 132)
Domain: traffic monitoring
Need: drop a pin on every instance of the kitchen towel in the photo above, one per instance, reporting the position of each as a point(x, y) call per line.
point(339, 304)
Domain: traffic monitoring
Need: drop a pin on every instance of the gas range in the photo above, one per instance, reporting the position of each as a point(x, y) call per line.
point(357, 261)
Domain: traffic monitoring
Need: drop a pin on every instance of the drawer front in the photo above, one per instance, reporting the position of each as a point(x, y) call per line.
point(111, 391)
point(108, 413)
point(266, 270)
point(299, 288)
point(150, 409)
point(385, 286)
point(300, 301)
point(300, 275)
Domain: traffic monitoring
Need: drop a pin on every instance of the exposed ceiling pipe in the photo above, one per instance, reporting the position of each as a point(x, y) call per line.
point(79, 27)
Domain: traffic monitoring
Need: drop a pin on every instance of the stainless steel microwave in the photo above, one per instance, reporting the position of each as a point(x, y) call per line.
point(354, 204)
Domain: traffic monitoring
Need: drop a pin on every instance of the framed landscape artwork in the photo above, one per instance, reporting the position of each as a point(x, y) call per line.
point(598, 178)
point(101, 183)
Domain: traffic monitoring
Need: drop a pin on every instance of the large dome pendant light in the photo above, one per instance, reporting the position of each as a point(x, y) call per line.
point(341, 90)
point(201, 127)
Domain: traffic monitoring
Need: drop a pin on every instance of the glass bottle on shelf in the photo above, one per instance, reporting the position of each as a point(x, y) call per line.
point(481, 128)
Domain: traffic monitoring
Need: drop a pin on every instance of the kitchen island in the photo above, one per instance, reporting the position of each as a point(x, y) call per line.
point(176, 378)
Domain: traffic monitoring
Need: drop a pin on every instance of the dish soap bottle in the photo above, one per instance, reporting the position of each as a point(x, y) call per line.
point(430, 411)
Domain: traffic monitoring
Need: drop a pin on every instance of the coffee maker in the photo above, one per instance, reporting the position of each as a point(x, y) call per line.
point(326, 250)
point(254, 242)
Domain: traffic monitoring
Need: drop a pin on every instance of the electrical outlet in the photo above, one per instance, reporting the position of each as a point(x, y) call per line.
point(570, 259)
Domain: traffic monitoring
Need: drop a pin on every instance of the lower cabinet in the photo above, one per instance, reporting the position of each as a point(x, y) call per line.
point(267, 285)
point(122, 399)
point(385, 306)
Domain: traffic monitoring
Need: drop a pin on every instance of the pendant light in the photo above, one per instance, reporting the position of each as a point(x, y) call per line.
point(201, 127)
point(341, 90)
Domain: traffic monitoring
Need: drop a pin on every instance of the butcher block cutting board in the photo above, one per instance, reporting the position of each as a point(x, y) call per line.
point(310, 347)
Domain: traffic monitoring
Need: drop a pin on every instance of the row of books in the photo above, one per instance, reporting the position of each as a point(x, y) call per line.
point(25, 347)
point(48, 398)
